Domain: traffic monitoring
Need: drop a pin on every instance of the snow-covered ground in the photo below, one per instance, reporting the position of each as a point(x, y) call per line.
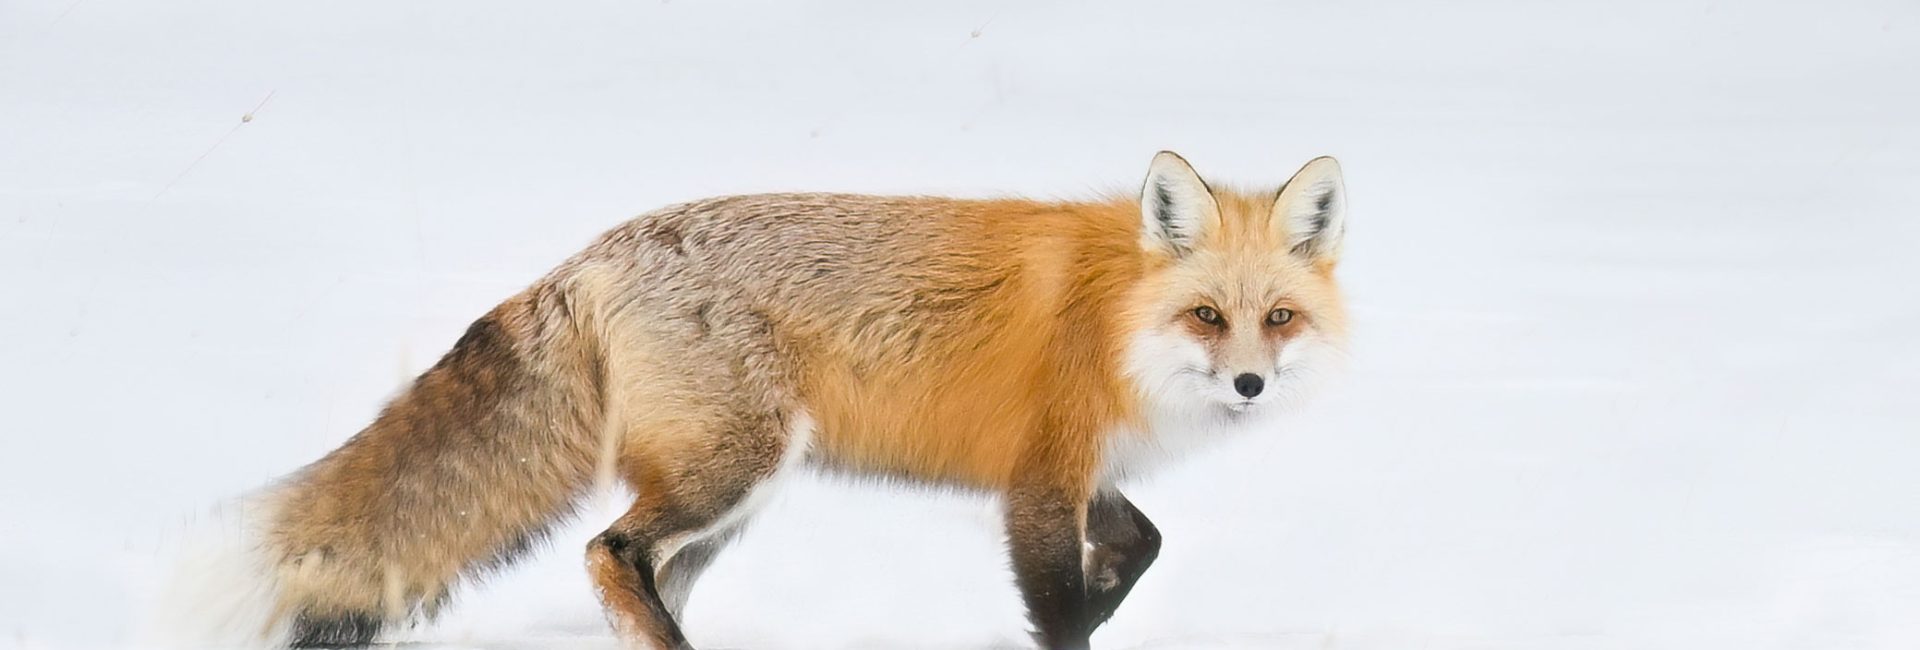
point(1633, 284)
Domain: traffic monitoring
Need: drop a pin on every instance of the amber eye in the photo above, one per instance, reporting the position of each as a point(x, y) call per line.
point(1208, 315)
point(1279, 317)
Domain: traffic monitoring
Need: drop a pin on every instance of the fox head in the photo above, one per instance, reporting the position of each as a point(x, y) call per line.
point(1238, 308)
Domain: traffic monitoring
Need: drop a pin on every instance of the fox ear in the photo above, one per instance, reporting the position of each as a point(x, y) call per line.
point(1176, 208)
point(1313, 210)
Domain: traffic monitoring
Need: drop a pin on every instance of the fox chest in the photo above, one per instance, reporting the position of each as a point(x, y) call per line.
point(1135, 452)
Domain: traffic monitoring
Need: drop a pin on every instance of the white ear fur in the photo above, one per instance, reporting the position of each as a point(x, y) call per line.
point(1176, 208)
point(1313, 207)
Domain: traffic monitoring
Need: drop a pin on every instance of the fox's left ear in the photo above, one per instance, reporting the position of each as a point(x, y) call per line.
point(1176, 208)
point(1313, 210)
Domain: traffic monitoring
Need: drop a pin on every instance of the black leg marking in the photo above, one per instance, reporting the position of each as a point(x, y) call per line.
point(1043, 529)
point(1125, 543)
point(354, 630)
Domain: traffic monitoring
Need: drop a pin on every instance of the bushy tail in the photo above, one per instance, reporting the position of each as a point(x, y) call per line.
point(460, 473)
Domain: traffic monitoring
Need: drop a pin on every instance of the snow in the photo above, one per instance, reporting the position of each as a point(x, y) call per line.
point(1635, 328)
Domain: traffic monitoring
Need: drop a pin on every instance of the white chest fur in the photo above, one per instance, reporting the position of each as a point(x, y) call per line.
point(1135, 452)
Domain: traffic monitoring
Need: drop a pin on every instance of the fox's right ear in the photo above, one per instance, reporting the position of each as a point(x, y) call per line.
point(1176, 207)
point(1312, 210)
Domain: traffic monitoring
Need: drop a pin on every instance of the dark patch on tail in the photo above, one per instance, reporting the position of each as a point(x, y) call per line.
point(354, 630)
point(484, 340)
point(480, 370)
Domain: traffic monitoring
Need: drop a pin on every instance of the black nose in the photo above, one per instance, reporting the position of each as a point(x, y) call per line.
point(1248, 385)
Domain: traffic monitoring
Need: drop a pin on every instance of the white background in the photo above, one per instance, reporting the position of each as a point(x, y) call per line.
point(1633, 284)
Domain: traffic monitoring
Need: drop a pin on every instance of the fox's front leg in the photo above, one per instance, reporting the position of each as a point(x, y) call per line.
point(1123, 543)
point(1044, 532)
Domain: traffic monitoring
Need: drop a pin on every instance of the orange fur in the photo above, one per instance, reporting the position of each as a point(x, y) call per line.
point(1033, 364)
point(1037, 364)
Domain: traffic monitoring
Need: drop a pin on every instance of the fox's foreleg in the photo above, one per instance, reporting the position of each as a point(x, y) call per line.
point(1046, 517)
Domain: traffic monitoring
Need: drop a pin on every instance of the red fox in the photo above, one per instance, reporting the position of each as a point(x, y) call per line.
point(1038, 351)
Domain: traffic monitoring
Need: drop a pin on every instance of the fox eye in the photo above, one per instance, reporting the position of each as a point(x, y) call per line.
point(1279, 317)
point(1208, 315)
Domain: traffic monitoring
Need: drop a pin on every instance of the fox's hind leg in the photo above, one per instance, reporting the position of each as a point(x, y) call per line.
point(1124, 544)
point(692, 484)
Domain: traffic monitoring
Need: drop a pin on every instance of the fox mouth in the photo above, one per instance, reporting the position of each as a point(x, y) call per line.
point(1241, 406)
